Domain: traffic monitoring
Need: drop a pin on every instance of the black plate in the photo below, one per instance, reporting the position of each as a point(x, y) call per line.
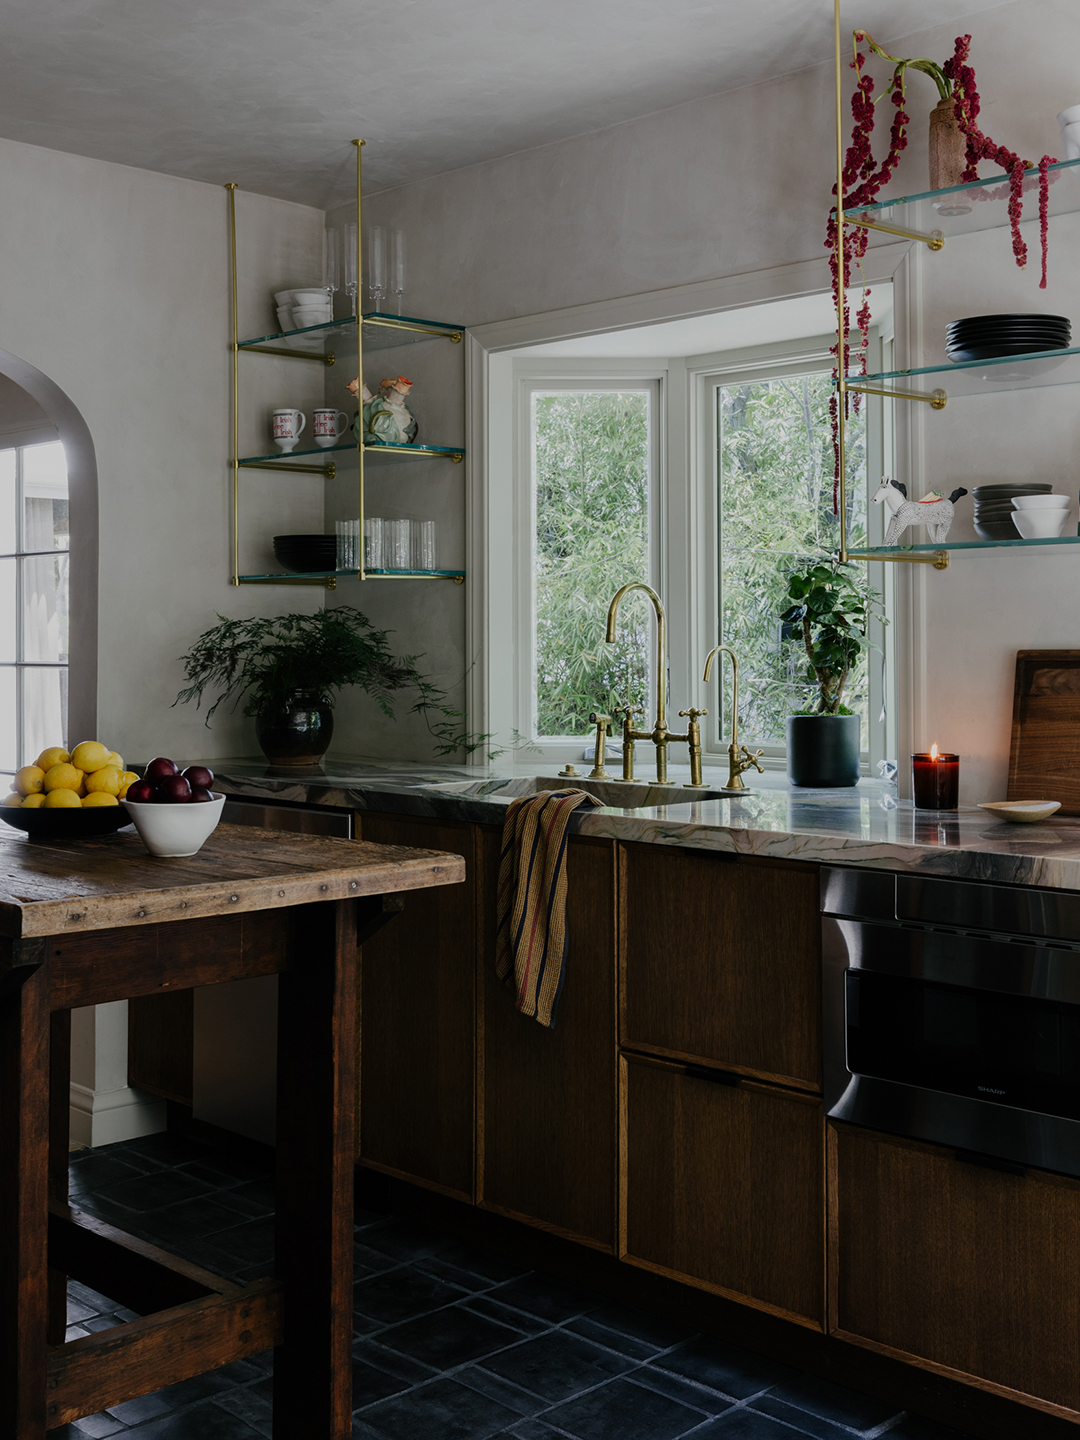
point(66, 824)
point(996, 352)
point(1011, 319)
point(1014, 332)
point(960, 327)
point(1035, 340)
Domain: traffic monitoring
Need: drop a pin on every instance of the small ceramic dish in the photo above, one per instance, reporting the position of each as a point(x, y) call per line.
point(1022, 812)
point(174, 831)
point(1040, 524)
point(1041, 502)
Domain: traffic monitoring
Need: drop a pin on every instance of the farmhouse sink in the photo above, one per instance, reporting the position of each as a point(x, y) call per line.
point(636, 794)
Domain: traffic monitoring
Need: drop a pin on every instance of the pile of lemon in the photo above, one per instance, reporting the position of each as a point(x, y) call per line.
point(91, 775)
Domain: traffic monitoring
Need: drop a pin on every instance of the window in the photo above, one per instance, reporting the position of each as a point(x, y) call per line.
point(34, 555)
point(591, 455)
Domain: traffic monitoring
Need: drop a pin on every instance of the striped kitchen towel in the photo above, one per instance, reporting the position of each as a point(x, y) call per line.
point(530, 942)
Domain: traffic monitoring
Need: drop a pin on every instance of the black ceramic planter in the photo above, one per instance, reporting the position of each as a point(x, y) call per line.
point(823, 750)
point(296, 732)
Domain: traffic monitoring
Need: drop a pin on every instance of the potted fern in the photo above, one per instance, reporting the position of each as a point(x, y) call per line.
point(832, 607)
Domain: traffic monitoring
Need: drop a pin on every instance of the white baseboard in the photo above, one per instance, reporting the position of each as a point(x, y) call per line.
point(102, 1117)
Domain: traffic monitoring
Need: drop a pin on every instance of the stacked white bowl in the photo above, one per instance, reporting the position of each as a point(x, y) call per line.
point(299, 309)
point(1069, 125)
point(1041, 517)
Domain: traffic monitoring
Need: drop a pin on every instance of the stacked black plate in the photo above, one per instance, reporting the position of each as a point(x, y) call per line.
point(309, 552)
point(987, 337)
point(994, 509)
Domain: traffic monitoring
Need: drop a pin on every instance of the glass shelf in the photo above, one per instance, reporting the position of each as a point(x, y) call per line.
point(280, 461)
point(868, 553)
point(979, 205)
point(984, 377)
point(295, 576)
point(381, 332)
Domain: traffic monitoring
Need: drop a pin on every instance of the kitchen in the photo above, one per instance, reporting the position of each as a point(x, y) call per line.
point(532, 249)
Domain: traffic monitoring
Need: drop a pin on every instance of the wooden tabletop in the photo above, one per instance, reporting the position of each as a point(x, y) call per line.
point(60, 887)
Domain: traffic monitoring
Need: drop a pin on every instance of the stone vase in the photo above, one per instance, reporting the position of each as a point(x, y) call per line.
point(948, 146)
point(297, 731)
point(823, 750)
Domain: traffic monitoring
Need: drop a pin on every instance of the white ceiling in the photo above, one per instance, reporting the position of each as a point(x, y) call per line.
point(270, 92)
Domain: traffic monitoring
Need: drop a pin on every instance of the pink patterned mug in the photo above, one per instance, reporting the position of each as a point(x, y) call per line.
point(330, 425)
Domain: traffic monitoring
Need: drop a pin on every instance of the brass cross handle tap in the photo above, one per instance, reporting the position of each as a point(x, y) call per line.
point(603, 730)
point(740, 762)
point(693, 735)
point(629, 735)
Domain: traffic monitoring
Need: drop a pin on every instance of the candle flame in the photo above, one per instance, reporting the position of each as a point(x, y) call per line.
point(933, 752)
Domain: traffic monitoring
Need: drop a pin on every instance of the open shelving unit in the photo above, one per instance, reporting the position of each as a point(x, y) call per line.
point(325, 344)
point(931, 218)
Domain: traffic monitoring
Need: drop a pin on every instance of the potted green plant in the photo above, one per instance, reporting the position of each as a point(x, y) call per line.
point(287, 670)
point(832, 606)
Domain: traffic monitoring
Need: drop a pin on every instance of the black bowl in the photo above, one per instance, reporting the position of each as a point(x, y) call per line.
point(997, 351)
point(997, 530)
point(66, 824)
point(306, 552)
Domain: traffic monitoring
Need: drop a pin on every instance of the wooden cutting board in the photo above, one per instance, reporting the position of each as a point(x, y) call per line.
point(1044, 762)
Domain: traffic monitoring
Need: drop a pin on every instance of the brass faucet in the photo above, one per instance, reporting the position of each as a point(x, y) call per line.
point(603, 730)
point(660, 735)
point(737, 762)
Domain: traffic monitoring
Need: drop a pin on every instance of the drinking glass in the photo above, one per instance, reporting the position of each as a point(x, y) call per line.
point(373, 544)
point(397, 265)
point(377, 264)
point(350, 263)
point(423, 544)
point(331, 273)
point(398, 544)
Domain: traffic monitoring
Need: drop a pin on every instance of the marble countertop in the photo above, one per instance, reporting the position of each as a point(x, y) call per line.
point(865, 825)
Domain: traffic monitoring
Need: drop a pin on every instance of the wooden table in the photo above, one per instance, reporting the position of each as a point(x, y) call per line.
point(86, 922)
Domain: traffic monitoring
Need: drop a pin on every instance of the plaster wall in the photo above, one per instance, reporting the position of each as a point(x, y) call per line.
point(738, 183)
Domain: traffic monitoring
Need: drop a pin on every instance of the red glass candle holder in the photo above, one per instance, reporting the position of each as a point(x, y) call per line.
point(935, 781)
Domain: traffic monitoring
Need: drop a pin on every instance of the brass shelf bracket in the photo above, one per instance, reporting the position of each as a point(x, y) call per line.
point(327, 581)
point(939, 559)
point(328, 471)
point(936, 399)
point(934, 241)
point(328, 359)
point(454, 336)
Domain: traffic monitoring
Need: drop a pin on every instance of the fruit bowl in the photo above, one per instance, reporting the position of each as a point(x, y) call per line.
point(172, 831)
point(64, 823)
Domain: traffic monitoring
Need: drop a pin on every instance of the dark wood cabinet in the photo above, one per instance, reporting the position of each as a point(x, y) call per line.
point(721, 961)
point(962, 1267)
point(548, 1097)
point(725, 1187)
point(417, 1046)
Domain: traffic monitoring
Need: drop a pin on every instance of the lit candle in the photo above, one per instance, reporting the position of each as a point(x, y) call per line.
point(935, 780)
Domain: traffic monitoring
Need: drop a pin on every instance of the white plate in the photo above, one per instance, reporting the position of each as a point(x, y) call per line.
point(1022, 812)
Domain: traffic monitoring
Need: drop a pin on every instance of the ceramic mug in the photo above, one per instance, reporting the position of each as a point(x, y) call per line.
point(288, 427)
point(330, 425)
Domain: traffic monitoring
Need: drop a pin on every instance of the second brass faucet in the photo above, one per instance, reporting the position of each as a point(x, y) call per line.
point(660, 735)
point(737, 762)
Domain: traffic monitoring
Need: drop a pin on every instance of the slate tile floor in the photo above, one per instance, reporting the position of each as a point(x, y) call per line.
point(450, 1342)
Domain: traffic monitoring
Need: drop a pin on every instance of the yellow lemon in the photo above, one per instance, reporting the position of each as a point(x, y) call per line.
point(115, 758)
point(127, 777)
point(99, 797)
point(29, 780)
point(13, 799)
point(105, 781)
point(62, 799)
point(54, 756)
point(90, 755)
point(63, 777)
point(33, 802)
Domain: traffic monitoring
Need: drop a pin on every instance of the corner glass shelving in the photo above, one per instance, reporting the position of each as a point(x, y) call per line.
point(883, 551)
point(382, 331)
point(983, 377)
point(281, 461)
point(331, 577)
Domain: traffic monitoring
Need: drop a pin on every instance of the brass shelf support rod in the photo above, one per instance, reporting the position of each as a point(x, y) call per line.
point(454, 336)
point(231, 188)
point(361, 546)
point(328, 359)
point(936, 399)
point(935, 240)
point(329, 471)
point(939, 559)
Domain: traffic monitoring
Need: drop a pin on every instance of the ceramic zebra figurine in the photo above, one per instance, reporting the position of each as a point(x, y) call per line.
point(935, 512)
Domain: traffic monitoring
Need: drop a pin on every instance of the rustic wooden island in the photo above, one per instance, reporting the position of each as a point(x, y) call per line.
point(90, 921)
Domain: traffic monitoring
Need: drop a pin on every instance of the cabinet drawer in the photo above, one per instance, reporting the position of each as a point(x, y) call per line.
point(959, 1265)
point(721, 962)
point(725, 1187)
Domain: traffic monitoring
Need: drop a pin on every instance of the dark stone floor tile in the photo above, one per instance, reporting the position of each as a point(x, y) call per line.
point(453, 1274)
point(443, 1410)
point(624, 1409)
point(254, 1404)
point(252, 1242)
point(98, 1170)
point(726, 1368)
point(547, 1299)
point(800, 1420)
point(412, 1371)
point(531, 1430)
point(241, 1371)
point(480, 1262)
point(556, 1366)
point(145, 1407)
point(257, 1194)
point(90, 1427)
point(917, 1427)
point(150, 1192)
point(403, 1241)
point(496, 1388)
point(199, 1387)
point(624, 1344)
point(518, 1319)
point(97, 1323)
point(373, 1262)
point(401, 1295)
point(196, 1219)
point(76, 1332)
point(448, 1338)
point(698, 1397)
point(744, 1425)
point(77, 1312)
point(369, 1385)
point(219, 1169)
point(96, 1303)
point(654, 1330)
point(165, 1149)
point(834, 1402)
point(202, 1422)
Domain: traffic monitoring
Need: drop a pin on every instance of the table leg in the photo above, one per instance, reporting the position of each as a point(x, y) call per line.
point(24, 1146)
point(59, 1139)
point(316, 1092)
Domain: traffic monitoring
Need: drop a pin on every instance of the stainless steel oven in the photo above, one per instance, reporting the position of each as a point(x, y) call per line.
point(952, 1013)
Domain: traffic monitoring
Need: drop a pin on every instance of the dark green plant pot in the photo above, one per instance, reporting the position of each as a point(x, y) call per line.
point(298, 731)
point(823, 750)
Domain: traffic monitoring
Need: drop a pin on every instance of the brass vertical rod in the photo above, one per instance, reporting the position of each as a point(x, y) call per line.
point(231, 188)
point(841, 328)
point(361, 558)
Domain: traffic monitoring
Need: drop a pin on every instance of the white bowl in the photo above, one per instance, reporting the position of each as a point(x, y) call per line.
point(310, 297)
point(1041, 502)
point(284, 317)
point(1069, 117)
point(305, 311)
point(175, 830)
point(1023, 812)
point(1040, 524)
